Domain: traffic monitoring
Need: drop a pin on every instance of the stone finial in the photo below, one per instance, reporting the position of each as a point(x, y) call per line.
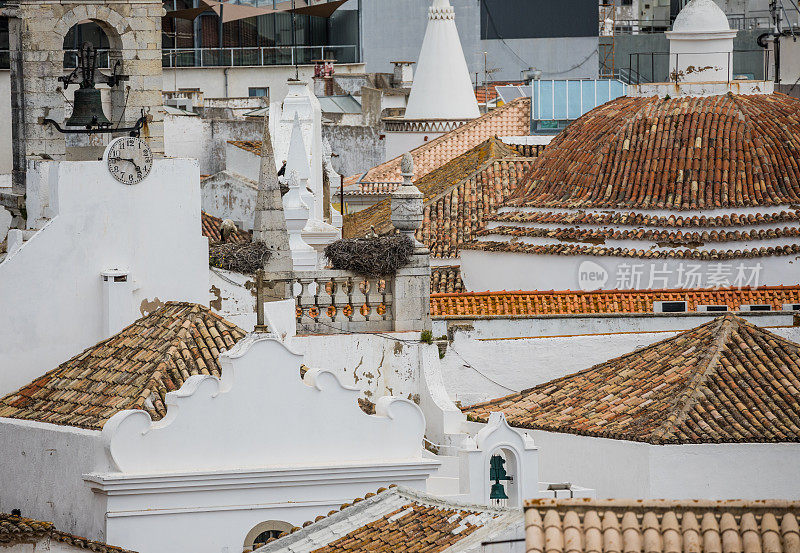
point(407, 202)
point(407, 167)
point(269, 225)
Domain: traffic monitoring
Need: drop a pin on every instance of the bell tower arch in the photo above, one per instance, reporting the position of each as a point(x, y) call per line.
point(37, 29)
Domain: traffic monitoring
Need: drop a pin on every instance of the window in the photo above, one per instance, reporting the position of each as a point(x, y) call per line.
point(258, 92)
point(756, 308)
point(791, 306)
point(714, 308)
point(669, 307)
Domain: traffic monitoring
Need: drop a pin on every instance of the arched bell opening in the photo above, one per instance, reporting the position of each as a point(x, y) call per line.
point(261, 533)
point(96, 44)
point(503, 478)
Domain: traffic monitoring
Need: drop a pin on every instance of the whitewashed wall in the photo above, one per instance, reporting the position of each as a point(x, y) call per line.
point(259, 444)
point(212, 80)
point(502, 356)
point(617, 468)
point(50, 289)
point(42, 467)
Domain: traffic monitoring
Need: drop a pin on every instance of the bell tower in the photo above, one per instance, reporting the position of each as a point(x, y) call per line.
point(37, 29)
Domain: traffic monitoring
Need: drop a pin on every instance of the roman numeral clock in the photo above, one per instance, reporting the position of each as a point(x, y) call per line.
point(129, 160)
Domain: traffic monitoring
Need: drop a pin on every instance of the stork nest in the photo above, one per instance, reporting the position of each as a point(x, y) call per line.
point(244, 258)
point(371, 257)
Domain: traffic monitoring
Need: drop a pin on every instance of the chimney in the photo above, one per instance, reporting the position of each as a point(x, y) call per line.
point(403, 74)
point(117, 307)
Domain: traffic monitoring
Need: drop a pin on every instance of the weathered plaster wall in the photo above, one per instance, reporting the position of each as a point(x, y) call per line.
point(230, 196)
point(207, 139)
point(51, 289)
point(375, 365)
point(358, 148)
point(42, 467)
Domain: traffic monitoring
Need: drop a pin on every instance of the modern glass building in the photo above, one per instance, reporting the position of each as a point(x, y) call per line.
point(273, 39)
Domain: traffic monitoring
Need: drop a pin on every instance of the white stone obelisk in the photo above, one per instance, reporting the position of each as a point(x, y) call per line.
point(304, 257)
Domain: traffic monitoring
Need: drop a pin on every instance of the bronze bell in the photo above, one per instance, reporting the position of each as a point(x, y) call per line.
point(87, 110)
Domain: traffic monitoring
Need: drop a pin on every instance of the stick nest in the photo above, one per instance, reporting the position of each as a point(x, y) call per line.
point(371, 257)
point(244, 258)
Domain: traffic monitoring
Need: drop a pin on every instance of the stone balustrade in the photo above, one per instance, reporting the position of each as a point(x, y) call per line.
point(330, 300)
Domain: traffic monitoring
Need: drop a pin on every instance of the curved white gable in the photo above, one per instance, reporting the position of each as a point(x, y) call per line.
point(261, 414)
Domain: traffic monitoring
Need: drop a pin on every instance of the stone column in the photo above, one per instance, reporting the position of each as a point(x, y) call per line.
point(412, 283)
point(269, 225)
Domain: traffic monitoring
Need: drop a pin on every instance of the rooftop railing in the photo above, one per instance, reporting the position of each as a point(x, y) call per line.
point(256, 56)
point(653, 67)
point(226, 57)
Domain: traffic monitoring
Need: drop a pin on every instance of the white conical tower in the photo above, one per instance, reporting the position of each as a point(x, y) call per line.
point(442, 88)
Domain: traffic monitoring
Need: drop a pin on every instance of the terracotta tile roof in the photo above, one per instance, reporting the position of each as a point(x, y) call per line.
point(663, 237)
point(398, 519)
point(642, 219)
point(458, 196)
point(569, 249)
point(446, 280)
point(133, 369)
point(481, 91)
point(679, 153)
point(512, 119)
point(16, 530)
point(476, 305)
point(724, 381)
point(211, 231)
point(728, 526)
point(252, 146)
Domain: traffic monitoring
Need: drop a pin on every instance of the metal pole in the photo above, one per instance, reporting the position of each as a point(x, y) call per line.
point(341, 195)
point(294, 42)
point(221, 30)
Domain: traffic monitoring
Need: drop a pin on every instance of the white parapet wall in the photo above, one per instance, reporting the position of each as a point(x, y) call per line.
point(623, 469)
point(87, 223)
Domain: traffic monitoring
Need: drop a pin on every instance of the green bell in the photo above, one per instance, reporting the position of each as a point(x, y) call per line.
point(498, 492)
point(87, 110)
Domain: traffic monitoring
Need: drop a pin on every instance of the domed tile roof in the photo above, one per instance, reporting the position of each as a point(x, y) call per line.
point(683, 153)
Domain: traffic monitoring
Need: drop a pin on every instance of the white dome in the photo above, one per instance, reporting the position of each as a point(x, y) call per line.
point(700, 16)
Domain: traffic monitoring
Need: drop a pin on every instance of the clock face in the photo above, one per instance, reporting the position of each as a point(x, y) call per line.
point(129, 160)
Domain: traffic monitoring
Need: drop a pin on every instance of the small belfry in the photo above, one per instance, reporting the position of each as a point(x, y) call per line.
point(37, 29)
